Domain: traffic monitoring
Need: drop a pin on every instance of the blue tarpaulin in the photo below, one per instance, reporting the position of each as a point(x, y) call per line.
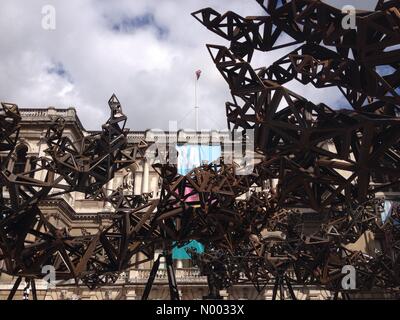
point(388, 205)
point(180, 253)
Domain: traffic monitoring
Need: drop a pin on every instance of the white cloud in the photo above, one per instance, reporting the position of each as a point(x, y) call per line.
point(359, 4)
point(150, 66)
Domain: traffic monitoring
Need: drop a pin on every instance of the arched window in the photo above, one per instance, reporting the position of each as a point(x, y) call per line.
point(20, 162)
point(32, 166)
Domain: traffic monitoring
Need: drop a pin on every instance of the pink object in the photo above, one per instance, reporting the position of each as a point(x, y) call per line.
point(198, 74)
point(192, 198)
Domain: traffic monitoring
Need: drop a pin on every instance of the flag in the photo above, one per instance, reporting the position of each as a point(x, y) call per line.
point(198, 74)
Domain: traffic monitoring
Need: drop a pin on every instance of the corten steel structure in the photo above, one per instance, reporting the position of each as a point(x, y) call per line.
point(291, 132)
point(315, 201)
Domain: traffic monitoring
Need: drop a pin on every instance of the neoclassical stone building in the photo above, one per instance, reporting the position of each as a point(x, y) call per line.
point(80, 215)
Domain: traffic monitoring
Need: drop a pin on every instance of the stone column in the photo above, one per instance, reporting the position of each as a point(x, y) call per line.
point(109, 186)
point(179, 264)
point(138, 183)
point(162, 263)
point(267, 294)
point(155, 185)
point(145, 179)
point(11, 163)
point(131, 294)
point(224, 294)
point(41, 147)
point(140, 256)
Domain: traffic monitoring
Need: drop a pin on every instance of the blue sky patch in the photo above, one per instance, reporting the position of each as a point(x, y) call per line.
point(59, 69)
point(130, 24)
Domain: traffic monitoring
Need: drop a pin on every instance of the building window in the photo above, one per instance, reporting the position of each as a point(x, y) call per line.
point(21, 158)
point(2, 159)
point(32, 166)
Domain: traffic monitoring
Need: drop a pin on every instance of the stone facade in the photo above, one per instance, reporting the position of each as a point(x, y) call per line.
point(79, 215)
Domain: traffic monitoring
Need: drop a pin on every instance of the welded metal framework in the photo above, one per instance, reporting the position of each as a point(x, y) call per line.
point(28, 241)
point(316, 173)
point(329, 186)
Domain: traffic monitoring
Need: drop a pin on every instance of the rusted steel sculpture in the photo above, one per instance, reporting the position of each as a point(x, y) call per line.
point(28, 241)
point(311, 197)
point(322, 160)
point(9, 130)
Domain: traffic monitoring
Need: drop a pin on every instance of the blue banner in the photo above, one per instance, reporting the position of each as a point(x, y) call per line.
point(191, 156)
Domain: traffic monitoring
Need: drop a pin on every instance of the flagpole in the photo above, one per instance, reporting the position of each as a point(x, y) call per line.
point(196, 107)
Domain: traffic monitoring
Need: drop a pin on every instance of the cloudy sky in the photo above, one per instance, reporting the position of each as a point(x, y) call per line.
point(144, 51)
